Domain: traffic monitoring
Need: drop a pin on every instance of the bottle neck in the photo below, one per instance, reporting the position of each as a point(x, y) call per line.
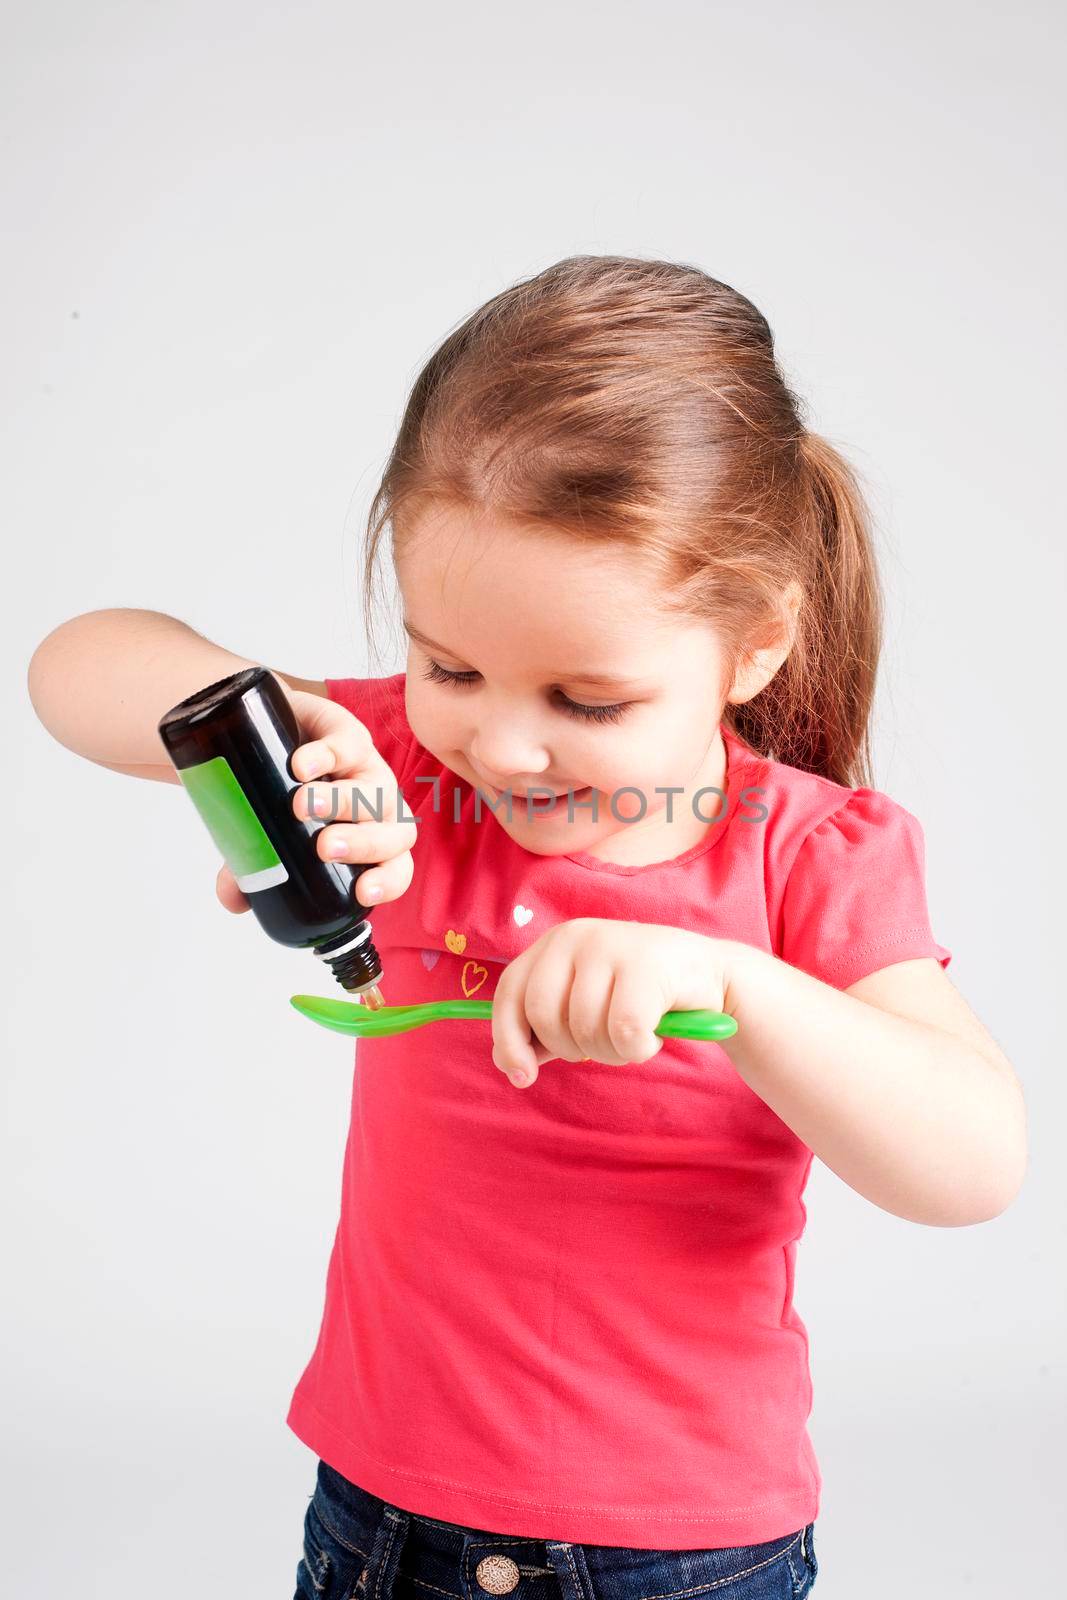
point(352, 958)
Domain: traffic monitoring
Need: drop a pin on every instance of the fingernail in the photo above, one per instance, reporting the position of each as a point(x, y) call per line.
point(519, 1077)
point(319, 765)
point(373, 891)
point(336, 847)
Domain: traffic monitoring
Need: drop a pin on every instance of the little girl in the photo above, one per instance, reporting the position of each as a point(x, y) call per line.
point(624, 773)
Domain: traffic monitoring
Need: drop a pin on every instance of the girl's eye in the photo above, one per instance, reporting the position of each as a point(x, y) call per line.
point(435, 673)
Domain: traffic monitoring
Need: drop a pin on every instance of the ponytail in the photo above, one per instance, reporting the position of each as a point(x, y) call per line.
point(815, 712)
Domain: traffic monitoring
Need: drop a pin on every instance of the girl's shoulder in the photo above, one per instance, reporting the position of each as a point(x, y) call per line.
point(845, 874)
point(807, 810)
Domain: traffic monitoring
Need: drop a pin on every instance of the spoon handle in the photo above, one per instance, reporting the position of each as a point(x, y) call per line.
point(696, 1025)
point(672, 1024)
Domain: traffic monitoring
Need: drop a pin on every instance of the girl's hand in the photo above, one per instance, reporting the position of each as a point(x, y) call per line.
point(593, 989)
point(339, 751)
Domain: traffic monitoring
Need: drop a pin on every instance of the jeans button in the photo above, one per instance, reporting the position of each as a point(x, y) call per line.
point(497, 1574)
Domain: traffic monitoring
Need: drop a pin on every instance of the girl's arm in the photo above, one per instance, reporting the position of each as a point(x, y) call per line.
point(101, 682)
point(893, 1083)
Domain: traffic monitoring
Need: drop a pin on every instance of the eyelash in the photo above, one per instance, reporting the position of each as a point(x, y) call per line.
point(435, 673)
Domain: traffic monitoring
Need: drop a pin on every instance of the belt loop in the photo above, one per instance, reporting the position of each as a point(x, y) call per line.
point(568, 1563)
point(385, 1554)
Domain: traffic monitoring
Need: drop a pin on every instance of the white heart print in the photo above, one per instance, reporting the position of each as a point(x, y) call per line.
point(522, 915)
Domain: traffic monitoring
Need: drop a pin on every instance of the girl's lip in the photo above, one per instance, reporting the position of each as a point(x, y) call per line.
point(539, 796)
point(560, 807)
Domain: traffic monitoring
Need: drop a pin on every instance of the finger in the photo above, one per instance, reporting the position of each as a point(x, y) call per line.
point(393, 877)
point(513, 1050)
point(587, 1012)
point(630, 1026)
point(228, 893)
point(365, 841)
point(316, 758)
point(370, 797)
point(546, 1004)
point(332, 741)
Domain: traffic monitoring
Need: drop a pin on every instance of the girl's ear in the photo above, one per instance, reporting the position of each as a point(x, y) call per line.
point(758, 667)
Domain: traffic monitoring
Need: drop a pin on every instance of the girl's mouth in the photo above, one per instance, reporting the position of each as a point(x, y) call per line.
point(538, 804)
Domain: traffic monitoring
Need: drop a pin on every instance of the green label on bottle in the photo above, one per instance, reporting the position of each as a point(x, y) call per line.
point(233, 825)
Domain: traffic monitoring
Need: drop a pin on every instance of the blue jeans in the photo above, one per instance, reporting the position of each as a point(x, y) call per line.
point(357, 1547)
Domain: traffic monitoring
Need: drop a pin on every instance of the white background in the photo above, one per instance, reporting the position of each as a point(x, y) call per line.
point(234, 232)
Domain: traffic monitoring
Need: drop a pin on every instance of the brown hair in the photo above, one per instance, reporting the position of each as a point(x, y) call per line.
point(640, 402)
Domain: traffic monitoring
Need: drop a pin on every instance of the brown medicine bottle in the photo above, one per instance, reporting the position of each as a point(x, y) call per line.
point(231, 745)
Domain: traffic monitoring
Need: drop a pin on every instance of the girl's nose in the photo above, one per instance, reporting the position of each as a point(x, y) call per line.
point(501, 750)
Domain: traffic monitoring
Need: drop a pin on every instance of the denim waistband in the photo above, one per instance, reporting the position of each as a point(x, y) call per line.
point(458, 1560)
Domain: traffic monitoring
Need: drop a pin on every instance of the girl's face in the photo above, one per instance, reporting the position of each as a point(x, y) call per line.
point(568, 677)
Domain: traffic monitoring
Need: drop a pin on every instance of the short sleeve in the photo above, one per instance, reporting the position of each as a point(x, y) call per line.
point(855, 899)
point(379, 704)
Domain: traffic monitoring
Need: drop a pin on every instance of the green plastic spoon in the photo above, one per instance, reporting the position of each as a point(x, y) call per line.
point(347, 1016)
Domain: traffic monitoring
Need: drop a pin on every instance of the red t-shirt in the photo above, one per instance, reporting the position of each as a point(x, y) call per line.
point(566, 1311)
